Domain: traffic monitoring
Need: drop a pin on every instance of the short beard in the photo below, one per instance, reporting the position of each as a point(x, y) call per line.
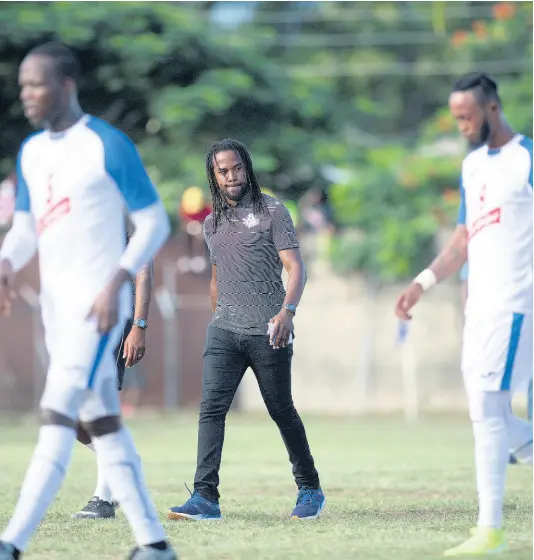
point(483, 137)
point(234, 198)
point(240, 196)
point(485, 132)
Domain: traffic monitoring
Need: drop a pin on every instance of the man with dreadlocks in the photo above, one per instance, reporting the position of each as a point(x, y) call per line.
point(250, 237)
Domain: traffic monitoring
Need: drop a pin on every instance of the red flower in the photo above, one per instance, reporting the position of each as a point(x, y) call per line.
point(503, 10)
point(480, 29)
point(459, 38)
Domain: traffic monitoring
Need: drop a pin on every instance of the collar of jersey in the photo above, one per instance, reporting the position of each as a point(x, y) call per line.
point(59, 135)
point(495, 151)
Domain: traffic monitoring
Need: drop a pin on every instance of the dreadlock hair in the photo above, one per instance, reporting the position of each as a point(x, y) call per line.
point(65, 61)
point(218, 200)
point(483, 87)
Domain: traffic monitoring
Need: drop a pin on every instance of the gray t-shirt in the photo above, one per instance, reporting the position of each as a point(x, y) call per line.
point(245, 250)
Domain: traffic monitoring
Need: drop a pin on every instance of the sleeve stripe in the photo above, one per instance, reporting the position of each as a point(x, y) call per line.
point(124, 166)
point(462, 209)
point(527, 144)
point(22, 193)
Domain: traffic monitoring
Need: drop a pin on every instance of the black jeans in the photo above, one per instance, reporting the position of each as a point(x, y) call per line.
point(227, 356)
point(119, 360)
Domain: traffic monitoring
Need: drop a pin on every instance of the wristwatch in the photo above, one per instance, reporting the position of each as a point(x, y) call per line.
point(141, 323)
point(290, 307)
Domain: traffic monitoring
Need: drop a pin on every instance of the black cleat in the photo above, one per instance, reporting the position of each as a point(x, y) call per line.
point(149, 553)
point(96, 509)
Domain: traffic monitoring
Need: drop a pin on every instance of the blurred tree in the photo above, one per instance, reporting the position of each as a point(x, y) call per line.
point(391, 66)
point(317, 90)
point(166, 75)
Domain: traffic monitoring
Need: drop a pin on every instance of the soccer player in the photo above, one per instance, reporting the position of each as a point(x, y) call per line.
point(128, 352)
point(250, 237)
point(75, 179)
point(495, 230)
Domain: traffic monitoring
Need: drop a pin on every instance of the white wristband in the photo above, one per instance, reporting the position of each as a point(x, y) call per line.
point(426, 279)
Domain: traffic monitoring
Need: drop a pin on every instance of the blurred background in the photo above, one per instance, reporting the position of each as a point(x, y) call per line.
point(343, 106)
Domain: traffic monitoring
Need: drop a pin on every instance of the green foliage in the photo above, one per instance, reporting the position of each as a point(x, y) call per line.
point(387, 231)
point(400, 194)
point(170, 79)
point(358, 87)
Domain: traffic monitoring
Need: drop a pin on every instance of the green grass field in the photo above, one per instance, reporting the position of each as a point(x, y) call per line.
point(393, 492)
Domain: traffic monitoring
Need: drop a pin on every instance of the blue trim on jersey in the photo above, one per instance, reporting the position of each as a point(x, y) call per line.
point(464, 272)
point(515, 333)
point(22, 193)
point(493, 151)
point(98, 358)
point(461, 210)
point(527, 144)
point(529, 401)
point(124, 165)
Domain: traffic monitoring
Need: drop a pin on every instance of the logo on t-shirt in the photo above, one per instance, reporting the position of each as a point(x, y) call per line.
point(486, 217)
point(250, 221)
point(54, 210)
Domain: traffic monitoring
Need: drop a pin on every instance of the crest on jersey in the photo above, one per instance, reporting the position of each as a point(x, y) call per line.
point(250, 221)
point(485, 217)
point(55, 208)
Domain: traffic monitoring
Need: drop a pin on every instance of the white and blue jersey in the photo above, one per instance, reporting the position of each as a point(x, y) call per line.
point(496, 208)
point(76, 184)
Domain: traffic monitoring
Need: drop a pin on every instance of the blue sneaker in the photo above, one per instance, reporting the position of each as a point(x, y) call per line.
point(310, 504)
point(197, 508)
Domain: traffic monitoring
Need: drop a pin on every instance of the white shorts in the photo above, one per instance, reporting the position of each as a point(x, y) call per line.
point(497, 352)
point(81, 380)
